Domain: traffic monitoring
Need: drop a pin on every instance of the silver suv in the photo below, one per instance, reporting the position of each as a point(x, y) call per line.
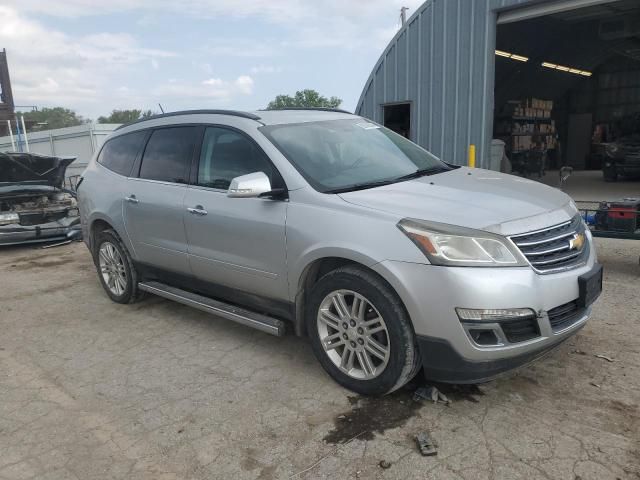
point(387, 258)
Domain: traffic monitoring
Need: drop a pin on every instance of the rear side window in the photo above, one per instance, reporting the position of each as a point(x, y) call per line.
point(119, 154)
point(227, 154)
point(168, 154)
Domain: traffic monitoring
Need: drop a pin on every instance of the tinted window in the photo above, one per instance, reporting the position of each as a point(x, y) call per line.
point(168, 154)
point(119, 153)
point(227, 154)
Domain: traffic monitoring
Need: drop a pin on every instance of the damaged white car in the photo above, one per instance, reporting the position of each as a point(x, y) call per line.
point(34, 205)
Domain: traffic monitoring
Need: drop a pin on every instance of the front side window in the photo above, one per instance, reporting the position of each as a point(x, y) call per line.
point(119, 153)
point(168, 154)
point(227, 154)
point(344, 155)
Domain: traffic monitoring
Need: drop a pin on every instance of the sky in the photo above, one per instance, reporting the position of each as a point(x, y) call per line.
point(94, 57)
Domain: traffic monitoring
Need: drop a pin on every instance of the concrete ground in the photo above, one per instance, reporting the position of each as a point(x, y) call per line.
point(94, 390)
point(588, 186)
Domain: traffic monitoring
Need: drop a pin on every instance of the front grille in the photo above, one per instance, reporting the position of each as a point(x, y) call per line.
point(521, 330)
point(554, 248)
point(565, 315)
point(38, 218)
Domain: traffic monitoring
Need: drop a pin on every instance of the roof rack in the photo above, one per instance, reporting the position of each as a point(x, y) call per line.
point(320, 109)
point(234, 113)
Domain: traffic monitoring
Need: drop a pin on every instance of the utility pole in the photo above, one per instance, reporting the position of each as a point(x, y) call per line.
point(403, 15)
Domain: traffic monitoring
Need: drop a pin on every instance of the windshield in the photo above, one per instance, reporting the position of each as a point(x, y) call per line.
point(342, 155)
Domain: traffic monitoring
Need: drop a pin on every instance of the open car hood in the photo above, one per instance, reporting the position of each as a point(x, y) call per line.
point(26, 171)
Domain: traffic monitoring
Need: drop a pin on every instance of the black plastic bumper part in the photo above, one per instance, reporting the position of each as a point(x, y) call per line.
point(442, 363)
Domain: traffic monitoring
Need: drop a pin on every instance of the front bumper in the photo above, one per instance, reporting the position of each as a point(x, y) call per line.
point(442, 363)
point(63, 229)
point(432, 293)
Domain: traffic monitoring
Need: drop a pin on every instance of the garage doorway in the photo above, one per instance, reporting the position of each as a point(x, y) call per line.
point(397, 117)
point(567, 83)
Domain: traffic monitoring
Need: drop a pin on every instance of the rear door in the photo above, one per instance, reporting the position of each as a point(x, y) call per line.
point(235, 242)
point(154, 202)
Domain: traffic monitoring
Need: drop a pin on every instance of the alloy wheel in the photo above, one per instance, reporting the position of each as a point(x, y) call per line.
point(353, 334)
point(112, 268)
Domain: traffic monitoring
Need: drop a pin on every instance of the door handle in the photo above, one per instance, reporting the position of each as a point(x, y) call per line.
point(132, 199)
point(198, 210)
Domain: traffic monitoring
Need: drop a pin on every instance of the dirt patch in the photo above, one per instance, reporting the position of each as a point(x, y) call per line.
point(40, 264)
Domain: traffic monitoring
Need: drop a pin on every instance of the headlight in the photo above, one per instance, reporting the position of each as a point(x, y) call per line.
point(612, 149)
point(9, 218)
point(463, 247)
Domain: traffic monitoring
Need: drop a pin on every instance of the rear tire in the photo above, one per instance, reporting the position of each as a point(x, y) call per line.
point(377, 352)
point(115, 268)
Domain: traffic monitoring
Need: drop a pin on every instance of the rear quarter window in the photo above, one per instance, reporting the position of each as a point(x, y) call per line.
point(119, 154)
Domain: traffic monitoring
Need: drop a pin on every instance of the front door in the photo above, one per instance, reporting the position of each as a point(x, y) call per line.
point(154, 202)
point(235, 242)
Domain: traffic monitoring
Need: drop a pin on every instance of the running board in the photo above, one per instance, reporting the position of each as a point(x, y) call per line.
point(230, 312)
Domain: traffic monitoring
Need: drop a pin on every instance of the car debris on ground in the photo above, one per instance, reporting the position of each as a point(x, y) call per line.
point(427, 446)
point(430, 393)
point(604, 357)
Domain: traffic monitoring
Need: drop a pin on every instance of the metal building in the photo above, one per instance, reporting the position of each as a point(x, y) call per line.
point(442, 66)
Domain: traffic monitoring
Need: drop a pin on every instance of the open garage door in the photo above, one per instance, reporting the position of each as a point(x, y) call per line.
point(567, 94)
point(547, 8)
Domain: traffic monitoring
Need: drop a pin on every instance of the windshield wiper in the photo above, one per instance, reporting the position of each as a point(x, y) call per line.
point(420, 173)
point(361, 186)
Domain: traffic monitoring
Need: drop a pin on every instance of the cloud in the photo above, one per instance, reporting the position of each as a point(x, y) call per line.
point(86, 72)
point(314, 23)
point(48, 66)
point(265, 69)
point(244, 84)
point(207, 90)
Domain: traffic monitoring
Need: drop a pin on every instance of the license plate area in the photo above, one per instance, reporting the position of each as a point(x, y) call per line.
point(590, 286)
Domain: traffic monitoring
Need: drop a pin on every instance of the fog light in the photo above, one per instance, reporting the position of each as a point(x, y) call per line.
point(493, 315)
point(9, 218)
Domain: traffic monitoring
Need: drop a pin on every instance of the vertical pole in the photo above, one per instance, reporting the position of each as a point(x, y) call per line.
point(13, 143)
point(26, 139)
point(18, 135)
point(472, 156)
point(52, 145)
point(403, 15)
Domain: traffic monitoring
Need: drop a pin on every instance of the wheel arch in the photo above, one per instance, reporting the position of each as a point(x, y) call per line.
point(319, 266)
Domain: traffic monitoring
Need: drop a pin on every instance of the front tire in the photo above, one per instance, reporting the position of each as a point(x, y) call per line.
point(115, 268)
point(360, 332)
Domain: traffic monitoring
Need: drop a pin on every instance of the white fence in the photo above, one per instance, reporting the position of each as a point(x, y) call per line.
point(81, 141)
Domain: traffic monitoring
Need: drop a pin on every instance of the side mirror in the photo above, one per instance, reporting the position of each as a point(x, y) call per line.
point(251, 185)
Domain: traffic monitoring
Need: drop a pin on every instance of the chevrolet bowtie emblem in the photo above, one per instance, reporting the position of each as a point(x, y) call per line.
point(577, 242)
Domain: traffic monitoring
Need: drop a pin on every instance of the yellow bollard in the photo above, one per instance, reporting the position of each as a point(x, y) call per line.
point(472, 156)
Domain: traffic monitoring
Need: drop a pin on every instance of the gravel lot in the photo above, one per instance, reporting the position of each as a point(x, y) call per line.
point(90, 389)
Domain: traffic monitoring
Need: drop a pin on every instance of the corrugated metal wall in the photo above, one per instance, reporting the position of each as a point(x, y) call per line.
point(442, 61)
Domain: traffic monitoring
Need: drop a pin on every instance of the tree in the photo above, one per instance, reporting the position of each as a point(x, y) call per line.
point(304, 98)
point(49, 118)
point(125, 116)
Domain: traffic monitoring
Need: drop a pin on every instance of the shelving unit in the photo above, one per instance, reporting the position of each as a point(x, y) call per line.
point(529, 133)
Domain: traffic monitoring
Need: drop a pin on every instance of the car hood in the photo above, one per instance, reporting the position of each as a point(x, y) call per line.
point(28, 171)
point(473, 198)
